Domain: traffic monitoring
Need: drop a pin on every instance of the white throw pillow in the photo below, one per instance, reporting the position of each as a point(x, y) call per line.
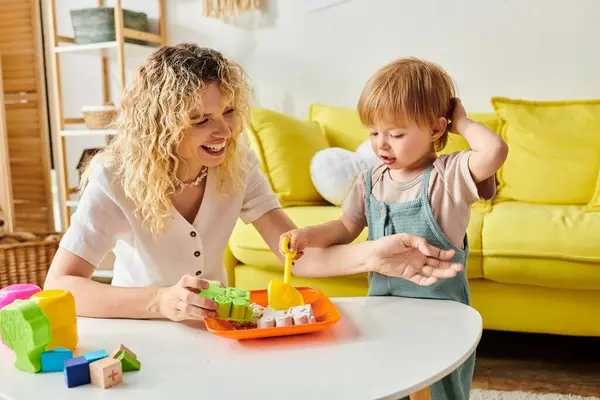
point(334, 170)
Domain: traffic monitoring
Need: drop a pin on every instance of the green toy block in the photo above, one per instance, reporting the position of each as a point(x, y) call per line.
point(232, 303)
point(238, 293)
point(249, 313)
point(209, 295)
point(223, 306)
point(129, 362)
point(26, 330)
point(238, 308)
point(213, 291)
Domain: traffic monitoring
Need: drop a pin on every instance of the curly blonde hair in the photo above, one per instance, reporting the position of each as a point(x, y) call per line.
point(409, 90)
point(151, 121)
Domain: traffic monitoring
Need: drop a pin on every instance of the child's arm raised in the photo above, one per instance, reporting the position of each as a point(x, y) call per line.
point(489, 149)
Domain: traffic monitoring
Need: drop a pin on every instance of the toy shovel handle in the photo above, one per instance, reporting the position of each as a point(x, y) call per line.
point(289, 257)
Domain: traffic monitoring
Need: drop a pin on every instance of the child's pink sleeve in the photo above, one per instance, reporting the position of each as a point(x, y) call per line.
point(460, 183)
point(354, 204)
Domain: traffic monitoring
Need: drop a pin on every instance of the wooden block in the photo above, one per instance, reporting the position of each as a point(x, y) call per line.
point(92, 356)
point(106, 372)
point(54, 360)
point(59, 306)
point(77, 372)
point(129, 362)
point(26, 330)
point(120, 349)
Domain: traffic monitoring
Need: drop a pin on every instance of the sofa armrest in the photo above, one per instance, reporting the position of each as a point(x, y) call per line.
point(230, 263)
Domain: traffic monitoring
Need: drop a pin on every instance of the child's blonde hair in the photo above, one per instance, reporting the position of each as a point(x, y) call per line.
point(151, 120)
point(408, 90)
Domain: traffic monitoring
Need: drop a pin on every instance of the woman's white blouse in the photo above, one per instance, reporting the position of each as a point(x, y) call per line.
point(104, 221)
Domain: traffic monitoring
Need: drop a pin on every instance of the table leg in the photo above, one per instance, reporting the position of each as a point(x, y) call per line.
point(423, 394)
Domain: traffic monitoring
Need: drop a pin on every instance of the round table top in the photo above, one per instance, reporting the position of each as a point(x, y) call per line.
point(383, 347)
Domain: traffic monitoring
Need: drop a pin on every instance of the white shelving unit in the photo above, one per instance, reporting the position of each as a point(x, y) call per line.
point(73, 127)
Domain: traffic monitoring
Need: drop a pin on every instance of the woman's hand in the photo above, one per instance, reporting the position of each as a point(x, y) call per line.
point(411, 257)
point(182, 301)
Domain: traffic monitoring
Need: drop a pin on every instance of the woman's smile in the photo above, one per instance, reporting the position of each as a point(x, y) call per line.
point(215, 149)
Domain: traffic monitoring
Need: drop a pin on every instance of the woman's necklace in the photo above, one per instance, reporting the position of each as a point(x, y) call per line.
point(195, 182)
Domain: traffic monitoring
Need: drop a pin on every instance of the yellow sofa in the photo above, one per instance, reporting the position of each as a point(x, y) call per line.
point(534, 264)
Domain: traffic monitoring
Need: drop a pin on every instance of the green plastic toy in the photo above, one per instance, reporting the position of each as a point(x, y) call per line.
point(26, 330)
point(232, 303)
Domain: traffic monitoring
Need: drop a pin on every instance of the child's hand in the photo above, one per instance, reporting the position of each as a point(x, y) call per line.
point(298, 242)
point(459, 116)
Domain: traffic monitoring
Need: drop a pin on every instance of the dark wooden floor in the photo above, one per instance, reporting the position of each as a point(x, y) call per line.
point(538, 363)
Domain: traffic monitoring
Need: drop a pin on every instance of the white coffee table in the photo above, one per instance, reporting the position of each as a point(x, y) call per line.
point(383, 347)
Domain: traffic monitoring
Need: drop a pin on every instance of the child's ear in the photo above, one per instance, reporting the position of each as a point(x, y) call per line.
point(439, 128)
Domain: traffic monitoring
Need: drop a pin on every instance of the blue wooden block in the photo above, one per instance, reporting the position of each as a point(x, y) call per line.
point(77, 371)
point(92, 356)
point(54, 360)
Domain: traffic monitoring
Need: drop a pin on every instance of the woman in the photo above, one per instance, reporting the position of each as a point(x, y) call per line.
point(164, 196)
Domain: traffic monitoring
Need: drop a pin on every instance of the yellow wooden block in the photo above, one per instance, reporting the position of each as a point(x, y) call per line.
point(59, 307)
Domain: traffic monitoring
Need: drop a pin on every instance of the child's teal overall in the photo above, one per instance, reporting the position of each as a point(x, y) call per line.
point(415, 217)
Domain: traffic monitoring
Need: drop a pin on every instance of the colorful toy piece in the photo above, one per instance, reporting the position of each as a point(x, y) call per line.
point(54, 360)
point(20, 291)
point(282, 295)
point(106, 372)
point(223, 305)
point(129, 362)
point(59, 306)
point(128, 359)
point(232, 303)
point(92, 356)
point(77, 372)
point(121, 348)
point(26, 330)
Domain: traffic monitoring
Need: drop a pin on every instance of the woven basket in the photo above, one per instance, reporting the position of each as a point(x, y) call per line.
point(98, 117)
point(26, 258)
point(97, 24)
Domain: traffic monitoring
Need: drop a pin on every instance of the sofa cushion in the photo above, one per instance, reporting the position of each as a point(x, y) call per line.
point(342, 126)
point(554, 150)
point(594, 204)
point(249, 248)
point(543, 245)
point(285, 146)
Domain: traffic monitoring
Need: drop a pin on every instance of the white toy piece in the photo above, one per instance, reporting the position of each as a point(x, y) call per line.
point(334, 170)
point(266, 322)
point(299, 315)
point(284, 320)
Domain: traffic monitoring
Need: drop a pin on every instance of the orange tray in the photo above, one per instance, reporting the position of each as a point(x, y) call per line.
point(323, 309)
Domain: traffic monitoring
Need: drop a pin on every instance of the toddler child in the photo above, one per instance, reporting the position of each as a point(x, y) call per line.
point(409, 107)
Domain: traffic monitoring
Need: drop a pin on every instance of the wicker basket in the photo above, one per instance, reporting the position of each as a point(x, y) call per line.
point(97, 24)
point(98, 117)
point(26, 258)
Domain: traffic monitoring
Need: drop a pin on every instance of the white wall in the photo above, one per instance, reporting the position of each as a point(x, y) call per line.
point(534, 49)
point(537, 49)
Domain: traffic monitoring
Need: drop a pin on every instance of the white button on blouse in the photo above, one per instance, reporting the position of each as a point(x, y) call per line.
point(104, 221)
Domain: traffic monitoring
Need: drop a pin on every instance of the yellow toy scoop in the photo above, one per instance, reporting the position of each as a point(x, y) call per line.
point(282, 295)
